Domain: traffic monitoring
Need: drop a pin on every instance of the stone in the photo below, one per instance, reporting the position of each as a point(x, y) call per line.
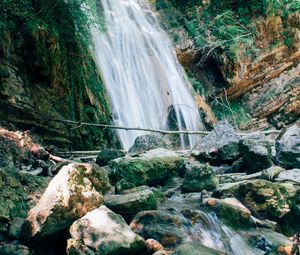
point(107, 155)
point(220, 146)
point(153, 246)
point(165, 227)
point(152, 168)
point(149, 142)
point(123, 185)
point(129, 205)
point(15, 228)
point(199, 177)
point(101, 231)
point(231, 211)
point(73, 192)
point(257, 153)
point(14, 249)
point(271, 173)
point(263, 198)
point(289, 175)
point(195, 248)
point(288, 148)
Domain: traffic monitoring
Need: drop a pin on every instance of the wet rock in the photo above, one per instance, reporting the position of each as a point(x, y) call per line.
point(256, 151)
point(129, 205)
point(14, 249)
point(153, 246)
point(199, 177)
point(288, 148)
point(271, 173)
point(195, 248)
point(73, 192)
point(149, 142)
point(231, 211)
point(289, 175)
point(220, 145)
point(107, 155)
point(151, 168)
point(15, 228)
point(264, 199)
point(162, 226)
point(123, 185)
point(101, 231)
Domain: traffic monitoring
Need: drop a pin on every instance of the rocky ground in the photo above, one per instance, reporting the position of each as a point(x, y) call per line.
point(233, 193)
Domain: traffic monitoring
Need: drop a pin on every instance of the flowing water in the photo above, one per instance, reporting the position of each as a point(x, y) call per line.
point(140, 70)
point(207, 229)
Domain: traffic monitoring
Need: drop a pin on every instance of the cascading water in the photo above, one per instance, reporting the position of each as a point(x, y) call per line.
point(139, 67)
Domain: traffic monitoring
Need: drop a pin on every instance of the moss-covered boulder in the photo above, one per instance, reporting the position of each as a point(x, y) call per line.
point(128, 205)
point(73, 192)
point(107, 155)
point(101, 231)
point(151, 168)
point(165, 227)
point(14, 249)
point(265, 199)
point(231, 211)
point(199, 177)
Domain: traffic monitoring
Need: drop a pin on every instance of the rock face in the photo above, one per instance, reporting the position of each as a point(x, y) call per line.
point(73, 192)
point(220, 145)
point(39, 79)
point(17, 195)
point(199, 177)
point(288, 148)
point(101, 231)
point(130, 204)
point(256, 152)
point(263, 198)
point(159, 225)
point(289, 175)
point(151, 168)
point(107, 155)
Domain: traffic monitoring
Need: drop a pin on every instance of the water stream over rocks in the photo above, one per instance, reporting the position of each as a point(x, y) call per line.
point(145, 82)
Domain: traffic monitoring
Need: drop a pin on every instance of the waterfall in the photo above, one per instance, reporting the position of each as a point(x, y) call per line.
point(140, 70)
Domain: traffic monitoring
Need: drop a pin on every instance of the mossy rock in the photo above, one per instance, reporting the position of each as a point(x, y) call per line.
point(152, 168)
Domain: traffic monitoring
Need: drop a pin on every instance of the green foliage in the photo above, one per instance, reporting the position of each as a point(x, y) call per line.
point(234, 112)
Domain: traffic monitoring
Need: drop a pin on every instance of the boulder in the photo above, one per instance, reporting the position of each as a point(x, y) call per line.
point(129, 205)
point(263, 198)
point(165, 227)
point(149, 142)
point(107, 155)
point(219, 146)
point(199, 177)
point(73, 192)
point(231, 211)
point(195, 248)
point(14, 249)
point(153, 246)
point(289, 175)
point(152, 168)
point(288, 148)
point(123, 185)
point(257, 153)
point(101, 231)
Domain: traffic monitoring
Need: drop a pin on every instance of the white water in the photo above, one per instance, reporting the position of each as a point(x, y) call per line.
point(140, 70)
